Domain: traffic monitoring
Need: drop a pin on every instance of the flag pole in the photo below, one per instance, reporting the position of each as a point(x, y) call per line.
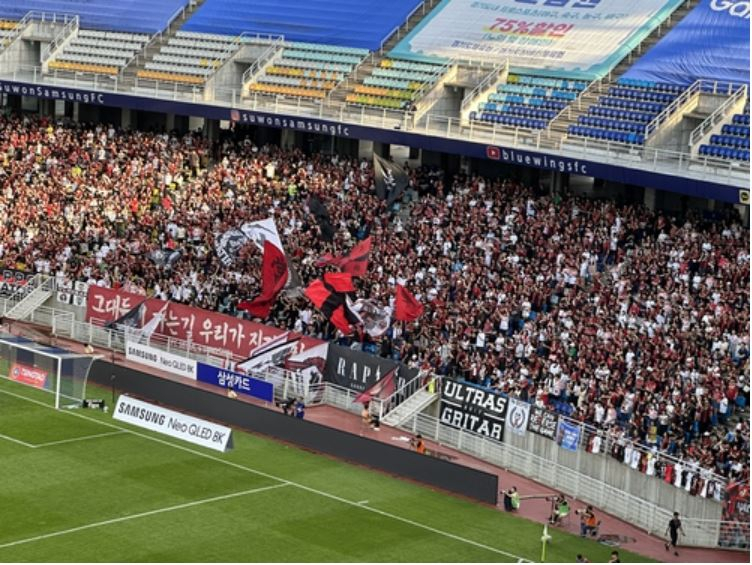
point(545, 538)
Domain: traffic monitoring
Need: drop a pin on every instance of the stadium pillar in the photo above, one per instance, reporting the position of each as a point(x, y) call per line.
point(649, 198)
point(126, 118)
point(211, 130)
point(287, 138)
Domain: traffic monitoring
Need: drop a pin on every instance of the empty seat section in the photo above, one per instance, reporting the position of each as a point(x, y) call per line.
point(102, 52)
point(190, 58)
point(528, 101)
point(622, 114)
point(139, 16)
point(307, 69)
point(396, 84)
point(732, 143)
point(363, 24)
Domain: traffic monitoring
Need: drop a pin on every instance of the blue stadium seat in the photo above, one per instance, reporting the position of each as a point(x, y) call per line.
point(137, 16)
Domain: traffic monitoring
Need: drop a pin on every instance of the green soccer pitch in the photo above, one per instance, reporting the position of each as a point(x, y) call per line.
point(79, 486)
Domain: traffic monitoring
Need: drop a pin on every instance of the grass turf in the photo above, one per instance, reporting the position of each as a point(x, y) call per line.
point(134, 495)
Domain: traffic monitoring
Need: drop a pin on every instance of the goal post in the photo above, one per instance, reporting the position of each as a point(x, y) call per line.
point(52, 369)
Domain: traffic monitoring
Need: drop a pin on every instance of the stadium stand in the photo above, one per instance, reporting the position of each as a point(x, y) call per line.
point(190, 57)
point(396, 83)
point(528, 101)
point(309, 70)
point(135, 16)
point(623, 114)
point(364, 24)
point(732, 142)
point(105, 52)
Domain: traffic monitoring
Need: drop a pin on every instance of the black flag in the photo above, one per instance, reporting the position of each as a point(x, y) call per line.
point(317, 208)
point(165, 258)
point(131, 319)
point(391, 179)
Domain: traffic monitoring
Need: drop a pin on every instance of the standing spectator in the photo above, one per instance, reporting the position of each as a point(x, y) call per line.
point(673, 529)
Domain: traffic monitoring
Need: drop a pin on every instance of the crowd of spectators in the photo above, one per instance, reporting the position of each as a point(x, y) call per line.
point(631, 320)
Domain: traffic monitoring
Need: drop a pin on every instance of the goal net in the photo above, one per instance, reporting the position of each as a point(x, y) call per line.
point(58, 371)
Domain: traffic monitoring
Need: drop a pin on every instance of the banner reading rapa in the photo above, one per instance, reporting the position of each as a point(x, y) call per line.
point(173, 424)
point(153, 357)
point(237, 382)
point(359, 371)
point(471, 408)
point(28, 375)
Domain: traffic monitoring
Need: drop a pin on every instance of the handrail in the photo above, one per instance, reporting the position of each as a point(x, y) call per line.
point(68, 29)
point(491, 77)
point(263, 59)
point(719, 115)
point(685, 97)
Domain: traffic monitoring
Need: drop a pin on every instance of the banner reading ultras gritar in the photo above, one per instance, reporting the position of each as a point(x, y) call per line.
point(172, 423)
point(471, 408)
point(201, 327)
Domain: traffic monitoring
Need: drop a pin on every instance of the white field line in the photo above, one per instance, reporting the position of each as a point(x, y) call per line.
point(59, 442)
point(276, 478)
point(142, 515)
point(75, 439)
point(18, 441)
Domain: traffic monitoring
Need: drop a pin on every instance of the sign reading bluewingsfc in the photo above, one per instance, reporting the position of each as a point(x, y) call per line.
point(470, 408)
point(173, 424)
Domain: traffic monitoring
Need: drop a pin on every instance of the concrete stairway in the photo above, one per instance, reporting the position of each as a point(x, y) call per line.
point(129, 74)
point(557, 129)
point(413, 405)
point(43, 287)
point(339, 93)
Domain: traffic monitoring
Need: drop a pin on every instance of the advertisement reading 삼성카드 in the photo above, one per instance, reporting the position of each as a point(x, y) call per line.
point(172, 423)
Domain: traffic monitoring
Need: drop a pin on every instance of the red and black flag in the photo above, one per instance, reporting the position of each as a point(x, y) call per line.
point(330, 296)
point(406, 307)
point(383, 389)
point(356, 263)
point(274, 277)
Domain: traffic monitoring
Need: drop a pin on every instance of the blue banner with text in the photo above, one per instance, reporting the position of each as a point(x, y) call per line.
point(242, 384)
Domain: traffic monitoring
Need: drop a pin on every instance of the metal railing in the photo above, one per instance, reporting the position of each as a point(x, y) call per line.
point(719, 115)
point(701, 531)
point(492, 77)
point(261, 61)
point(68, 29)
point(688, 95)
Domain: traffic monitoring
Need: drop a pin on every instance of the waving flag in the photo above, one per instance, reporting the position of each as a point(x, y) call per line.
point(330, 296)
point(406, 308)
point(390, 179)
point(356, 263)
point(274, 278)
point(318, 209)
point(383, 389)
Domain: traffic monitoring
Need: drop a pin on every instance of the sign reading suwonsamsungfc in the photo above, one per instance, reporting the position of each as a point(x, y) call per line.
point(173, 424)
point(635, 174)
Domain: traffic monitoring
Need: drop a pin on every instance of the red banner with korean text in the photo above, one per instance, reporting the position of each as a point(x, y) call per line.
point(107, 304)
point(202, 327)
